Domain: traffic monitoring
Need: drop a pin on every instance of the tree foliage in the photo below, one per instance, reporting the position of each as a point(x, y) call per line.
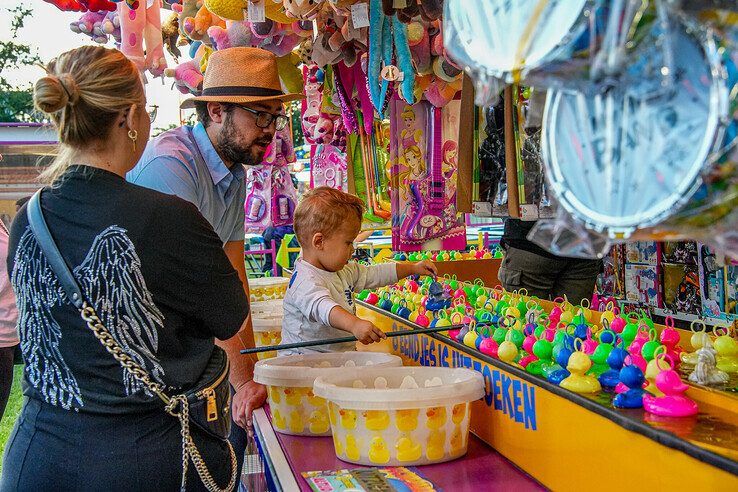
point(16, 103)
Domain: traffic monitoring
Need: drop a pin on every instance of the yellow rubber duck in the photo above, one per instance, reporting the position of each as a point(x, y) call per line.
point(332, 411)
point(436, 417)
point(436, 445)
point(296, 424)
point(577, 382)
point(407, 450)
point(315, 401)
point(457, 441)
point(318, 422)
point(293, 396)
point(376, 420)
point(378, 452)
point(337, 444)
point(406, 420)
point(352, 448)
point(278, 420)
point(727, 363)
point(275, 394)
point(348, 419)
point(458, 413)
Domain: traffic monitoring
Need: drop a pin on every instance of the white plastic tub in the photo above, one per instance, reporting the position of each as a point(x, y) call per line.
point(267, 331)
point(289, 380)
point(379, 419)
point(271, 306)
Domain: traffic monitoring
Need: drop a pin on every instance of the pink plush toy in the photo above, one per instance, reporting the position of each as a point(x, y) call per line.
point(275, 37)
point(111, 26)
point(236, 33)
point(139, 26)
point(188, 76)
point(89, 24)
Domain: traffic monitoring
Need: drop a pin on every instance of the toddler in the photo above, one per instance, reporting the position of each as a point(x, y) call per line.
point(319, 303)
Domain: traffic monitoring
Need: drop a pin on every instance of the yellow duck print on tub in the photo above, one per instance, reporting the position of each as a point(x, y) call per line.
point(337, 444)
point(378, 452)
point(458, 413)
point(406, 420)
point(296, 424)
point(293, 395)
point(457, 441)
point(352, 448)
point(275, 394)
point(348, 419)
point(279, 421)
point(436, 417)
point(407, 450)
point(318, 422)
point(315, 401)
point(376, 420)
point(332, 410)
point(436, 445)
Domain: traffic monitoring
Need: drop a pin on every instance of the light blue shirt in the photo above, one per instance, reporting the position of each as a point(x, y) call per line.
point(183, 162)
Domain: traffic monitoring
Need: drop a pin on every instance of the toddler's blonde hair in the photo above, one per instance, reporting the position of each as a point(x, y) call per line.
point(324, 210)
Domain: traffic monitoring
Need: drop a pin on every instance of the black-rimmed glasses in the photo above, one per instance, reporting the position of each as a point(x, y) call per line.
point(264, 119)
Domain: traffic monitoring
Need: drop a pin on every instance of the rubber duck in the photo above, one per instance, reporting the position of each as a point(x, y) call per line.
point(599, 360)
point(673, 403)
point(436, 447)
point(406, 420)
point(670, 338)
point(315, 401)
point(407, 450)
point(706, 371)
point(295, 423)
point(727, 353)
point(293, 396)
point(458, 412)
point(611, 378)
point(577, 381)
point(278, 419)
point(376, 420)
point(457, 441)
point(348, 419)
point(697, 340)
point(275, 396)
point(337, 445)
point(378, 452)
point(352, 448)
point(488, 346)
point(561, 354)
point(632, 377)
point(318, 422)
point(436, 417)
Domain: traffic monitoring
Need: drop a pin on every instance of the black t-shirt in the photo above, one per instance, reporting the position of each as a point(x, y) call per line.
point(516, 236)
point(154, 270)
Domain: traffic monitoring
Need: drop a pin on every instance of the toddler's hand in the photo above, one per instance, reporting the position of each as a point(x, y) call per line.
point(425, 267)
point(366, 332)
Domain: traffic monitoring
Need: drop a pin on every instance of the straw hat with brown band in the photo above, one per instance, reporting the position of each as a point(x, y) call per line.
point(241, 75)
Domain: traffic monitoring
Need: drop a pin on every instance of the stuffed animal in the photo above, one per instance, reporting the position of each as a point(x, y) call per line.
point(196, 28)
point(188, 76)
point(227, 9)
point(186, 9)
point(303, 9)
point(418, 38)
point(143, 26)
point(83, 5)
point(236, 33)
point(429, 10)
point(289, 73)
point(275, 37)
point(90, 24)
point(170, 35)
point(111, 26)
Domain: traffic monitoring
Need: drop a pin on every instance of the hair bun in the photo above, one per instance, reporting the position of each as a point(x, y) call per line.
point(53, 93)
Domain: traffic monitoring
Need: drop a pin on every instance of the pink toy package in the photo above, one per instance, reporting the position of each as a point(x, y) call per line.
point(328, 167)
point(257, 207)
point(424, 153)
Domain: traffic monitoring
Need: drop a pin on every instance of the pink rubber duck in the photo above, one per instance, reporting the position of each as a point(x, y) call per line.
point(670, 338)
point(673, 403)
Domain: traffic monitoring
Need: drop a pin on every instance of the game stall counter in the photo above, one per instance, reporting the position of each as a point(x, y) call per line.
point(286, 457)
point(567, 440)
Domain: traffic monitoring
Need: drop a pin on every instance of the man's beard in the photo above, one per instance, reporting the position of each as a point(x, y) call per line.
point(232, 149)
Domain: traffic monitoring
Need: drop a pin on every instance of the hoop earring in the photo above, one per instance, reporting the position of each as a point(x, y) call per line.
point(133, 135)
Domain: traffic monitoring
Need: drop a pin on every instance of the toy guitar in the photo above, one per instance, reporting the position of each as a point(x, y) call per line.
point(428, 218)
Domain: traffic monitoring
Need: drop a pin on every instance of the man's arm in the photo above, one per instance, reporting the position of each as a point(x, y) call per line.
point(249, 395)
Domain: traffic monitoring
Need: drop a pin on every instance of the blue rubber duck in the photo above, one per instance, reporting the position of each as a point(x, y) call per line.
point(633, 378)
point(616, 359)
point(561, 355)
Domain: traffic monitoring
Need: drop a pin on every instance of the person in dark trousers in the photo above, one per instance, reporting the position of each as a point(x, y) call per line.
point(542, 274)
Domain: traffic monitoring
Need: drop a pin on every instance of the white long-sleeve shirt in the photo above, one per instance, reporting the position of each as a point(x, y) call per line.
point(311, 295)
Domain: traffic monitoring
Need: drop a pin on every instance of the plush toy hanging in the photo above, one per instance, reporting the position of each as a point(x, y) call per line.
point(143, 25)
point(82, 5)
point(388, 37)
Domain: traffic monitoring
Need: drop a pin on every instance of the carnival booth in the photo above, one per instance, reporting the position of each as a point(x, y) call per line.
point(610, 124)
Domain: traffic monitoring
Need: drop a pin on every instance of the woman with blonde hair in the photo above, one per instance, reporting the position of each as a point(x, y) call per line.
point(152, 272)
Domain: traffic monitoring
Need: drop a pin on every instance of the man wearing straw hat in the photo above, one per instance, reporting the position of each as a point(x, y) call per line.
point(239, 109)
